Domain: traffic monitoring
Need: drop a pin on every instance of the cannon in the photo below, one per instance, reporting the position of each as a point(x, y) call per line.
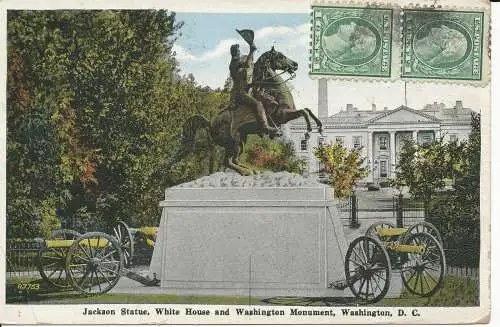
point(91, 263)
point(415, 252)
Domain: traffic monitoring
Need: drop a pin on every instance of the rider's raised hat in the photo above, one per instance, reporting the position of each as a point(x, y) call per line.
point(247, 35)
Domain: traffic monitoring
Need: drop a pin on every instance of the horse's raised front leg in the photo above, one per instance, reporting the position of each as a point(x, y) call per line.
point(316, 120)
point(288, 115)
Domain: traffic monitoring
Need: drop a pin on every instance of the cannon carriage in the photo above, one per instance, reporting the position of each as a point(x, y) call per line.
point(415, 252)
point(91, 263)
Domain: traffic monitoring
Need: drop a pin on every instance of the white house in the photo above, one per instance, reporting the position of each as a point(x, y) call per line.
point(380, 132)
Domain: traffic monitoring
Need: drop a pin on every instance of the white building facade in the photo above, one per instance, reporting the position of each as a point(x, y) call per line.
point(380, 133)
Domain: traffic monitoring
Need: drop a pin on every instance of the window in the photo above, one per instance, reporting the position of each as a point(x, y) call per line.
point(356, 141)
point(453, 137)
point(383, 168)
point(339, 139)
point(383, 142)
point(321, 141)
point(303, 145)
point(426, 139)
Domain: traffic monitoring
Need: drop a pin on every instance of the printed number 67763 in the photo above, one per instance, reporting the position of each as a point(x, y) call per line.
point(28, 286)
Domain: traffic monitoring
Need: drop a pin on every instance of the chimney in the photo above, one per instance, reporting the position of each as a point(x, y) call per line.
point(459, 105)
point(322, 98)
point(385, 108)
point(435, 106)
point(374, 107)
point(349, 107)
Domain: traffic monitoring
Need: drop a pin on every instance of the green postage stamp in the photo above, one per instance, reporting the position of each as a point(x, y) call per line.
point(425, 43)
point(442, 44)
point(351, 41)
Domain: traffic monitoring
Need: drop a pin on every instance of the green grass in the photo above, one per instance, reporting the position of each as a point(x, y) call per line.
point(455, 292)
point(115, 298)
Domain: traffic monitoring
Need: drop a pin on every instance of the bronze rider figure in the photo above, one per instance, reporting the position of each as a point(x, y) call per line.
point(241, 71)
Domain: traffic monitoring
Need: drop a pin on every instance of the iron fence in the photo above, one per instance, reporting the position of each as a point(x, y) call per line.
point(407, 210)
point(348, 208)
point(344, 205)
point(21, 258)
point(470, 274)
point(463, 272)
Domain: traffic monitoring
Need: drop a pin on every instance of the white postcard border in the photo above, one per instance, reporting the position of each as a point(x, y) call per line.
point(50, 314)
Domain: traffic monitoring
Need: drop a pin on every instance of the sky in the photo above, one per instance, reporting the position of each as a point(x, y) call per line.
point(203, 50)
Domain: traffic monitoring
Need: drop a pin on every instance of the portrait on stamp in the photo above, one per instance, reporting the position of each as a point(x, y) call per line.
point(442, 45)
point(351, 41)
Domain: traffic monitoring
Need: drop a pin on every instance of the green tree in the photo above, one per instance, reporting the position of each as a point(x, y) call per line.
point(456, 213)
point(425, 169)
point(344, 166)
point(95, 106)
point(38, 121)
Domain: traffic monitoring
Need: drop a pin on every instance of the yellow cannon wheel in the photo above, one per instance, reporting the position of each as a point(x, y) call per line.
point(367, 269)
point(373, 230)
point(423, 272)
point(51, 259)
point(423, 227)
point(124, 236)
point(94, 262)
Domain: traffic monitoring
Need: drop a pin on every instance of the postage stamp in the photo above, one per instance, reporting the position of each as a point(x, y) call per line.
point(194, 164)
point(351, 41)
point(442, 44)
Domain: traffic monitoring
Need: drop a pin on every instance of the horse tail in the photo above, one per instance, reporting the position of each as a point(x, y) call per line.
point(188, 136)
point(191, 126)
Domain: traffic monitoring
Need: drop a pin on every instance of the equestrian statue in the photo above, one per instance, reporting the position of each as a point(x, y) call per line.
point(259, 97)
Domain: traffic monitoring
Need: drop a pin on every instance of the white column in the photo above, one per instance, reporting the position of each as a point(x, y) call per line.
point(322, 98)
point(414, 136)
point(392, 148)
point(369, 155)
point(437, 134)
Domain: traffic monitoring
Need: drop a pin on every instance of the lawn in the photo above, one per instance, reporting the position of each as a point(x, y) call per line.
point(455, 292)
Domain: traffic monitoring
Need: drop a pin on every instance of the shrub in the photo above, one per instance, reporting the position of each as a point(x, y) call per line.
point(344, 166)
point(273, 155)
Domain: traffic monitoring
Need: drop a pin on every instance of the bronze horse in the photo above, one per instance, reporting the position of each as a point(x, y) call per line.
point(230, 128)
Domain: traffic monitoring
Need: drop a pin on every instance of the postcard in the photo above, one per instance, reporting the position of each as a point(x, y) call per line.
point(263, 162)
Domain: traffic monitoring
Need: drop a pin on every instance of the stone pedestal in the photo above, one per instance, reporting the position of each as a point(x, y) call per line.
point(263, 240)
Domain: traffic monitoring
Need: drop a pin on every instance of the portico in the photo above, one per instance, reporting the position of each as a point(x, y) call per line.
point(386, 146)
point(380, 133)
